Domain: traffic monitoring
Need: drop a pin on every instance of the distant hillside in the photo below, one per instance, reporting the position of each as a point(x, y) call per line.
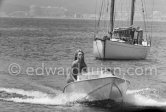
point(77, 6)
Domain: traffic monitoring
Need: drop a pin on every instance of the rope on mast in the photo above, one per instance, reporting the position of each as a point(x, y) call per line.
point(121, 13)
point(144, 18)
point(108, 25)
point(100, 13)
point(105, 13)
point(95, 18)
point(127, 9)
point(152, 22)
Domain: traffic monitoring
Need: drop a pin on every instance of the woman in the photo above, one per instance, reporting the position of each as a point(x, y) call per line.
point(78, 66)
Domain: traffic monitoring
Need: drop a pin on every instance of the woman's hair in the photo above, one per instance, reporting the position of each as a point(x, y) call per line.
point(83, 64)
point(76, 53)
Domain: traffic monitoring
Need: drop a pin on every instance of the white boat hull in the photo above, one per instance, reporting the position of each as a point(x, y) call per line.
point(119, 50)
point(108, 88)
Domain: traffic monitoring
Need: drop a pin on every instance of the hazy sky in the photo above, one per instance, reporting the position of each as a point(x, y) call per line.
point(82, 6)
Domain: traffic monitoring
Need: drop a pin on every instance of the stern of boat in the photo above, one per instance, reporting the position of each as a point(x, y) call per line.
point(98, 49)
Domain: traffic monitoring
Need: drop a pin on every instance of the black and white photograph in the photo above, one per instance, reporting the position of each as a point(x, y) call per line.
point(82, 55)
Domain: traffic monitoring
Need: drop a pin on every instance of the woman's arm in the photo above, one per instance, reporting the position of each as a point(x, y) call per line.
point(74, 70)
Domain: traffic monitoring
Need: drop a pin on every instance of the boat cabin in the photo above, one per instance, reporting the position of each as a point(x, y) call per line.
point(129, 35)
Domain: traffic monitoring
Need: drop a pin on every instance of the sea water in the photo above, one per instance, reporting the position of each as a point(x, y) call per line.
point(44, 50)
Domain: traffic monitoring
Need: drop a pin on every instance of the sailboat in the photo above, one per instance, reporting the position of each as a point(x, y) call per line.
point(98, 87)
point(123, 42)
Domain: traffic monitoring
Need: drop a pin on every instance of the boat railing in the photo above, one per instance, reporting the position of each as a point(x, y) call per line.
point(129, 35)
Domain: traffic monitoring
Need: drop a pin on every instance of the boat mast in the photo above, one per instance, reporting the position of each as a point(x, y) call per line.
point(112, 16)
point(132, 12)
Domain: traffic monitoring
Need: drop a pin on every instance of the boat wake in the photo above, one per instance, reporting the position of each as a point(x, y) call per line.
point(37, 97)
point(144, 97)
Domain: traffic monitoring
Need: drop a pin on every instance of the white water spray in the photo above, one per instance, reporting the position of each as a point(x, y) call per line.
point(37, 97)
point(144, 97)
